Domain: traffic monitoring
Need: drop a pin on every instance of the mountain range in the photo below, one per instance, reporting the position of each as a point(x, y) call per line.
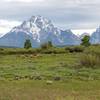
point(41, 30)
point(95, 37)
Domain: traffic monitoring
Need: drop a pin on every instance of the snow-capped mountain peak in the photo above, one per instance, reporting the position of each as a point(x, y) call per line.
point(35, 24)
point(98, 29)
point(39, 30)
point(95, 37)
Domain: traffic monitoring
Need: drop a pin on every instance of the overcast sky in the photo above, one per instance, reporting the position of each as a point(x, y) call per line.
point(79, 15)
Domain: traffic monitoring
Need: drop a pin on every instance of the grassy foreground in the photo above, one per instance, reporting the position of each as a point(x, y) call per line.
point(39, 90)
point(25, 77)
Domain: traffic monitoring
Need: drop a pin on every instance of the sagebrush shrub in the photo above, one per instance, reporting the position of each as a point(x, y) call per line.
point(90, 60)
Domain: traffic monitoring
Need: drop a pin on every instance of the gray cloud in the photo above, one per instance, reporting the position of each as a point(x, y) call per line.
point(75, 14)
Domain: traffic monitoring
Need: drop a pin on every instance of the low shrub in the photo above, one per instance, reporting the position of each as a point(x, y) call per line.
point(57, 78)
point(44, 46)
point(53, 50)
point(47, 45)
point(38, 78)
point(90, 60)
point(75, 49)
point(1, 49)
point(95, 49)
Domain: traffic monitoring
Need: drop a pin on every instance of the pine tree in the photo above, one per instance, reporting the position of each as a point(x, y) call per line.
point(49, 44)
point(86, 41)
point(27, 44)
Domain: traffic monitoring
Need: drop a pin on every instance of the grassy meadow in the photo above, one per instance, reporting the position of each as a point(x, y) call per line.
point(67, 73)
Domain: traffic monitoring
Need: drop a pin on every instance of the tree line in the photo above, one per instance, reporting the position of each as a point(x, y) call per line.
point(84, 42)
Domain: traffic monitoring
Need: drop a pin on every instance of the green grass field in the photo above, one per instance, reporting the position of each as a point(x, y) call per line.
point(39, 90)
point(24, 76)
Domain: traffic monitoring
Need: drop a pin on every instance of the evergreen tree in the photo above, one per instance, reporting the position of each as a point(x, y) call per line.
point(49, 44)
point(27, 44)
point(86, 41)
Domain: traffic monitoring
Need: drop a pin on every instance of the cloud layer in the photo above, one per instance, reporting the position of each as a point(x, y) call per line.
point(6, 26)
point(74, 14)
